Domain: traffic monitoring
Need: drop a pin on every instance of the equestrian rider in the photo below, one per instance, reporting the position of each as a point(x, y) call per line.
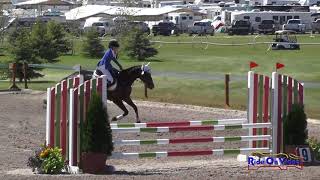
point(104, 65)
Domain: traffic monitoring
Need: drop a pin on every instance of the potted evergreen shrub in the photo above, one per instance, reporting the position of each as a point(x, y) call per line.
point(295, 128)
point(96, 142)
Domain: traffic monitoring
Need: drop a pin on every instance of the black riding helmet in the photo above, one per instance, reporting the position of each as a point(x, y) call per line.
point(114, 44)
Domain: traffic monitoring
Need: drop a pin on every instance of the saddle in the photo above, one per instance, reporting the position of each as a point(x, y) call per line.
point(114, 74)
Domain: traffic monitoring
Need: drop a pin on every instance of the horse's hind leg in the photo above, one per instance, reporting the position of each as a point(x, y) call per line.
point(129, 102)
point(123, 108)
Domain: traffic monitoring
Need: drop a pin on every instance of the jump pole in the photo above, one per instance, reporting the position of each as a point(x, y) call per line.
point(190, 128)
point(213, 152)
point(190, 140)
point(180, 123)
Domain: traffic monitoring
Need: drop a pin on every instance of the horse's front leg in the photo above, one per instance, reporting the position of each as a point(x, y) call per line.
point(122, 107)
point(130, 103)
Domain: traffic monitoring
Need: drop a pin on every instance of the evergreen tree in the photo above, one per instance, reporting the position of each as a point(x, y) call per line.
point(92, 46)
point(42, 43)
point(20, 47)
point(57, 35)
point(138, 46)
point(295, 126)
point(97, 136)
point(2, 33)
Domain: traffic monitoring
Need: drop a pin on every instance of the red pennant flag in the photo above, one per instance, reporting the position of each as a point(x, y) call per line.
point(279, 65)
point(253, 64)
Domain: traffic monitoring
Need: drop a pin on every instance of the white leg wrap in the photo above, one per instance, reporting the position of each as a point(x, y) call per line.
point(119, 117)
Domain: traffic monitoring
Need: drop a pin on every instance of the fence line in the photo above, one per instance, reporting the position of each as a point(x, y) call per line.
point(226, 44)
point(76, 67)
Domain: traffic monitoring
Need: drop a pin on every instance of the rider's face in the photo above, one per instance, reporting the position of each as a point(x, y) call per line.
point(115, 50)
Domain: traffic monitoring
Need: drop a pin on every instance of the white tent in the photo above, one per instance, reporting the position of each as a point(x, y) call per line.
point(86, 11)
point(92, 10)
point(156, 11)
point(122, 11)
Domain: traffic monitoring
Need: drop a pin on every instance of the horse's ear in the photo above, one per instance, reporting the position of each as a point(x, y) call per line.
point(148, 64)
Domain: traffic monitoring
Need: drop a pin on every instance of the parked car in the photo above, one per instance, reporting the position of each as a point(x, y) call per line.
point(285, 39)
point(240, 27)
point(201, 28)
point(295, 25)
point(164, 28)
point(102, 26)
point(267, 26)
point(140, 25)
point(316, 26)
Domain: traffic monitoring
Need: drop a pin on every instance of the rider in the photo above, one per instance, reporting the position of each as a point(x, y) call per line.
point(104, 65)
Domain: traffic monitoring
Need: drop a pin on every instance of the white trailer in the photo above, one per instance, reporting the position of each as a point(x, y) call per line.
point(182, 20)
point(280, 18)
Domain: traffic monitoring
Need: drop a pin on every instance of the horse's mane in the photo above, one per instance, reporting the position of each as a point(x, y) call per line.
point(129, 70)
point(126, 74)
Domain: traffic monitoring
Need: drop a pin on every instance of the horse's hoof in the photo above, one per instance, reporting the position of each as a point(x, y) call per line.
point(114, 119)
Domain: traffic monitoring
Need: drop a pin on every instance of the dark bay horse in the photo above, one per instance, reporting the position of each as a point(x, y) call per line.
point(125, 80)
point(122, 92)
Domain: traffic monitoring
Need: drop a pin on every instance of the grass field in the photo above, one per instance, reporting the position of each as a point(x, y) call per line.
point(213, 61)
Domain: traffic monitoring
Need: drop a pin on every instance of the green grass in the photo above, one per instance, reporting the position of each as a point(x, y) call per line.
point(215, 60)
point(224, 59)
point(206, 93)
point(35, 85)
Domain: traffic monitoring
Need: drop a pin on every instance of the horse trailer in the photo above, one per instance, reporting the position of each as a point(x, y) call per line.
point(182, 20)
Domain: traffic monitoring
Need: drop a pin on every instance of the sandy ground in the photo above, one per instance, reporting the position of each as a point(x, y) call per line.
point(22, 129)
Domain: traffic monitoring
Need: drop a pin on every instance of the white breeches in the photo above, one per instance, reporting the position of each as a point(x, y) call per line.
point(107, 73)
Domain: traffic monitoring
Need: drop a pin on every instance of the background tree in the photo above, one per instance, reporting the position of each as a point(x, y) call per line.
point(133, 39)
point(92, 46)
point(20, 47)
point(43, 43)
point(57, 35)
point(137, 45)
point(3, 20)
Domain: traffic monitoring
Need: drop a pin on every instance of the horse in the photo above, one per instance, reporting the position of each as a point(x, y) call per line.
point(122, 92)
